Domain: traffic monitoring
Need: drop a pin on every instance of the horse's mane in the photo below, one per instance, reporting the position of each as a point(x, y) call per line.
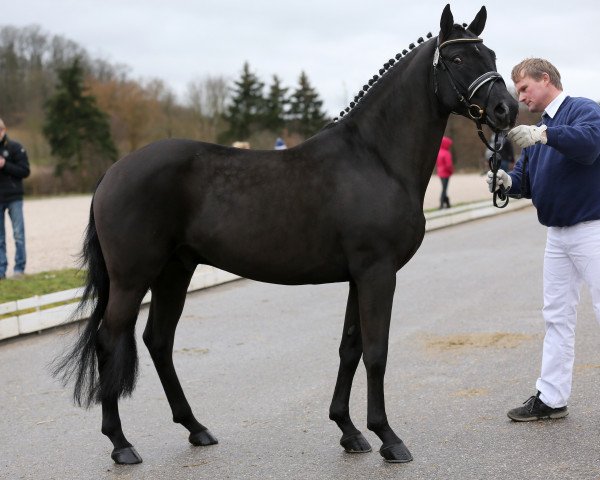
point(391, 64)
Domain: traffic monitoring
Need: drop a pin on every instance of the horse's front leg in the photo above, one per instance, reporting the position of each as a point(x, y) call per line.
point(376, 288)
point(350, 352)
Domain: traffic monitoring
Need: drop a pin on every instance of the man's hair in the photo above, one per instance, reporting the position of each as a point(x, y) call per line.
point(535, 68)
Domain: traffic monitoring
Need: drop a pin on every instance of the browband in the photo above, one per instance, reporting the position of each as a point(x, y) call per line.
point(436, 55)
point(460, 40)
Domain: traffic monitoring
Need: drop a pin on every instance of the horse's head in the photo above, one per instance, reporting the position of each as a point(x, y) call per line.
point(465, 76)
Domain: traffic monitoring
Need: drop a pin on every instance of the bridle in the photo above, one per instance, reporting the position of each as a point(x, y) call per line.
point(475, 112)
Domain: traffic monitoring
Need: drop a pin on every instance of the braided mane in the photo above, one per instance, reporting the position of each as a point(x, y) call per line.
point(387, 66)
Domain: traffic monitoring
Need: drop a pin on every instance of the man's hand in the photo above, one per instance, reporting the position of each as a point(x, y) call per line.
point(527, 135)
point(2, 161)
point(502, 178)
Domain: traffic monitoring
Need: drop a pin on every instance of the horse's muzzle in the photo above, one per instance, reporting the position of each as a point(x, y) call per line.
point(503, 116)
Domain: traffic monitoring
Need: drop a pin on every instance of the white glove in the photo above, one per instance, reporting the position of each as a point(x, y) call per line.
point(502, 178)
point(527, 135)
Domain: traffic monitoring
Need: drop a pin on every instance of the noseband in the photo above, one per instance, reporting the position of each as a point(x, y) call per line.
point(474, 111)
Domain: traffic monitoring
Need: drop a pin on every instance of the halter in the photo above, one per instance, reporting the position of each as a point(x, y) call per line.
point(474, 111)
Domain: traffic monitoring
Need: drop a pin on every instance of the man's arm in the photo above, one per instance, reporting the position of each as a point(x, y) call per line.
point(579, 140)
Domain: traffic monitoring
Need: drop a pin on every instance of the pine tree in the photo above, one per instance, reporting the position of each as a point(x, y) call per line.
point(306, 108)
point(247, 106)
point(76, 129)
point(276, 108)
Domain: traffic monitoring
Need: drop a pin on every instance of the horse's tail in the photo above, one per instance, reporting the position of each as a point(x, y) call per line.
point(80, 362)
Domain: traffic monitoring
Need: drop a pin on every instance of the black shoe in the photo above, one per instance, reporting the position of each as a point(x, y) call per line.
point(535, 409)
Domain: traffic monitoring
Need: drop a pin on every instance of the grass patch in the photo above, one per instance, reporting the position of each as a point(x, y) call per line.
point(40, 284)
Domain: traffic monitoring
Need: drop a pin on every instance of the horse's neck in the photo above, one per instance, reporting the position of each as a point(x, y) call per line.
point(401, 122)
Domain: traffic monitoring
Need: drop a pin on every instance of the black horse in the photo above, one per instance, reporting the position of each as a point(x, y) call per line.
point(344, 206)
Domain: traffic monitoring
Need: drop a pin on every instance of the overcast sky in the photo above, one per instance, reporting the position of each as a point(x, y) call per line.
point(339, 44)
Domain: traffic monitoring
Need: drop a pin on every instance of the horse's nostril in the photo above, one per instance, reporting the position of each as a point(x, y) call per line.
point(501, 110)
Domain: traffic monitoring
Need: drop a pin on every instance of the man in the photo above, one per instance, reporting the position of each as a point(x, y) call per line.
point(563, 181)
point(14, 167)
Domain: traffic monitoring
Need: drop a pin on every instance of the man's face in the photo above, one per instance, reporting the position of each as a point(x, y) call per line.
point(534, 93)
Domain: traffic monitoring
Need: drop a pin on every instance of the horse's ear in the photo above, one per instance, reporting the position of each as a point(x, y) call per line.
point(478, 23)
point(446, 24)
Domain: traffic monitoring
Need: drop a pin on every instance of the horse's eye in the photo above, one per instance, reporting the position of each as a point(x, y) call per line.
point(457, 60)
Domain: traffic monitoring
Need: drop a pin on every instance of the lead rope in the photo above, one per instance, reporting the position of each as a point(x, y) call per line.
point(494, 162)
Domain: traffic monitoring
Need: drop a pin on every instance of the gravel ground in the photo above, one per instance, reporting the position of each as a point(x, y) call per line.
point(54, 227)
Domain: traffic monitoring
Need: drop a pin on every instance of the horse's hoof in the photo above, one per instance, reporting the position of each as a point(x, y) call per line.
point(202, 438)
point(355, 443)
point(125, 456)
point(396, 453)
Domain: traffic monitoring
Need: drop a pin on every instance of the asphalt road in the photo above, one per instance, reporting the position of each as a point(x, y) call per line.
point(258, 363)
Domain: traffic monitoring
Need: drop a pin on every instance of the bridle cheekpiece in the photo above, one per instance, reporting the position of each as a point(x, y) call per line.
point(474, 111)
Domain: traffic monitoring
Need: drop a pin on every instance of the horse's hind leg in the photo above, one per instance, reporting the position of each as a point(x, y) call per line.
point(168, 297)
point(117, 366)
point(350, 352)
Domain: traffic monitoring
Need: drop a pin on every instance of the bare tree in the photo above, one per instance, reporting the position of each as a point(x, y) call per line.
point(207, 99)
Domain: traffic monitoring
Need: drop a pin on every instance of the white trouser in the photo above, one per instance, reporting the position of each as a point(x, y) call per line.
point(572, 257)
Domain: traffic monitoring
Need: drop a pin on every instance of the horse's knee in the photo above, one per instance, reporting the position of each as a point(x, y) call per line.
point(375, 364)
point(350, 355)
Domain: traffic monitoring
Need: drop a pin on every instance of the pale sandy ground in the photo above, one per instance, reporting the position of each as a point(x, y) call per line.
point(54, 227)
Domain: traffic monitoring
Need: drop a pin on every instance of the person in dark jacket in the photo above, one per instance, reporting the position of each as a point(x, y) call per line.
point(563, 182)
point(445, 169)
point(14, 167)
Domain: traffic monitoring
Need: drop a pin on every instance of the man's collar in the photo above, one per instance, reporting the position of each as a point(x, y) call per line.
point(555, 104)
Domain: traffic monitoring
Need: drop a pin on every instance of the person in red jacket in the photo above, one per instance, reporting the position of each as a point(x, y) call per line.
point(445, 169)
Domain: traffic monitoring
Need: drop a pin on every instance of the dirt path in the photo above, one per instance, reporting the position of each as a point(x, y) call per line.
point(54, 227)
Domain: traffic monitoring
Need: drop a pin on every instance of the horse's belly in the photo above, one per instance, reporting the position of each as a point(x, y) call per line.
point(272, 274)
point(284, 264)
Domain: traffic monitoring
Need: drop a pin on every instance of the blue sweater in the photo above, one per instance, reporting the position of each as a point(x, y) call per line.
point(564, 174)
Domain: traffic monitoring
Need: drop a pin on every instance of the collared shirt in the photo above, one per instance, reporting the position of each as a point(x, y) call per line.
point(555, 104)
